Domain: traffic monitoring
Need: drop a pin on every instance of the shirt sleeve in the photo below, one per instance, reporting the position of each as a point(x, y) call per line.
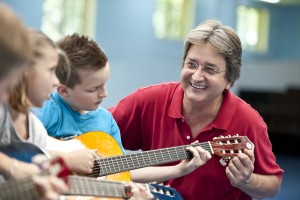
point(265, 160)
point(37, 132)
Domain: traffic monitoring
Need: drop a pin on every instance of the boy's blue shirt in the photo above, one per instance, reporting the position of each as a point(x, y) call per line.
point(62, 122)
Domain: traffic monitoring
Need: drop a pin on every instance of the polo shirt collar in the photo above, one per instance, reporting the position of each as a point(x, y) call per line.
point(226, 112)
point(175, 109)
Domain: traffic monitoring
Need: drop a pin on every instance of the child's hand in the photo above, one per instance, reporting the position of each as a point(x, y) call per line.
point(200, 156)
point(139, 192)
point(81, 161)
point(21, 169)
point(50, 187)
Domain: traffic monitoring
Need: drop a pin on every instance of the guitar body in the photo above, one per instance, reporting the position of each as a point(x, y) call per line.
point(106, 146)
point(22, 151)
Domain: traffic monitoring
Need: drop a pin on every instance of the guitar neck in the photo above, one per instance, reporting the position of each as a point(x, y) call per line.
point(18, 189)
point(116, 164)
point(85, 186)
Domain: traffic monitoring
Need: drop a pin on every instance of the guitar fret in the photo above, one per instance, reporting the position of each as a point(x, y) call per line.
point(19, 189)
point(85, 186)
point(93, 187)
point(131, 164)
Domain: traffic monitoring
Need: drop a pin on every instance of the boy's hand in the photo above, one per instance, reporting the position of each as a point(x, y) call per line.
point(200, 157)
point(139, 192)
point(81, 161)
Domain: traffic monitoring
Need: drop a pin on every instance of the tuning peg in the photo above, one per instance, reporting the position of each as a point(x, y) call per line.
point(223, 162)
point(249, 145)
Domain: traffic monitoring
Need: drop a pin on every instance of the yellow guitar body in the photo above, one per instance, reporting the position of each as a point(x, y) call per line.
point(106, 146)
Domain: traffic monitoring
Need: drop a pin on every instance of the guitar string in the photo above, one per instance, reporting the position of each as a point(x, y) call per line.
point(115, 164)
point(111, 165)
point(20, 188)
point(90, 186)
point(148, 156)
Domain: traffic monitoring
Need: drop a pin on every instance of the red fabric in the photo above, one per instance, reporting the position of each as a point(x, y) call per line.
point(151, 118)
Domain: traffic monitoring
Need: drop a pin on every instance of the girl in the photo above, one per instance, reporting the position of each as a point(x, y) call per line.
point(37, 83)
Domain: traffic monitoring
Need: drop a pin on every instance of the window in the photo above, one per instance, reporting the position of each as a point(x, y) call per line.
point(253, 28)
point(62, 17)
point(173, 19)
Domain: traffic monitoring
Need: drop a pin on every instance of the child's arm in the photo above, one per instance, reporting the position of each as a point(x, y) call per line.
point(12, 168)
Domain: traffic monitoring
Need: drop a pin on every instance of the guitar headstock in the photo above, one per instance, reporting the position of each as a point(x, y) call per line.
point(229, 146)
point(162, 192)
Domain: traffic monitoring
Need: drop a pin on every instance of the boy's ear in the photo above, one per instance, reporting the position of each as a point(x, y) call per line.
point(62, 90)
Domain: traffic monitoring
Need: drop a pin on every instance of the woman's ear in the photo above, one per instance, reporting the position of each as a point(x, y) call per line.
point(228, 85)
point(62, 90)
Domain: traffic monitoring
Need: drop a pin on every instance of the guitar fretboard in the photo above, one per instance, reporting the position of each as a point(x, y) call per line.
point(18, 189)
point(92, 187)
point(116, 164)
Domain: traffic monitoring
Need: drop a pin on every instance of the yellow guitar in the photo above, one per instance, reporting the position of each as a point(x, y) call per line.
point(115, 166)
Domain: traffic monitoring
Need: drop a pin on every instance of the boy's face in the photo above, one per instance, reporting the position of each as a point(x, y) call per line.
point(89, 94)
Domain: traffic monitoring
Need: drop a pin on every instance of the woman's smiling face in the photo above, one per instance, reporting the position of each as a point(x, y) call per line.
point(198, 85)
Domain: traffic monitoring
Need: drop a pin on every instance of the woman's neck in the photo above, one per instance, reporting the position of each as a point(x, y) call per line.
point(20, 122)
point(202, 111)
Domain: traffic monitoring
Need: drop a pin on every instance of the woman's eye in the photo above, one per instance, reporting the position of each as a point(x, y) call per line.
point(52, 69)
point(192, 65)
point(210, 69)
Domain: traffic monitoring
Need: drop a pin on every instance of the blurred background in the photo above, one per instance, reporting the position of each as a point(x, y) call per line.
point(144, 42)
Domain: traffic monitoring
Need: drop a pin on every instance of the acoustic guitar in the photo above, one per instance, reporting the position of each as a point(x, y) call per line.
point(25, 188)
point(112, 161)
